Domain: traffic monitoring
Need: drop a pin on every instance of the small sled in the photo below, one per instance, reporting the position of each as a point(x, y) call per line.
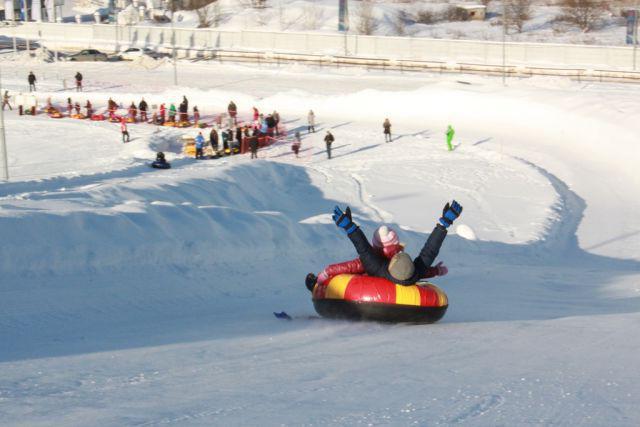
point(98, 117)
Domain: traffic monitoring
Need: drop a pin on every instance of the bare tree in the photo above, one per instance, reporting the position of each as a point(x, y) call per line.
point(367, 24)
point(208, 15)
point(313, 17)
point(585, 14)
point(518, 12)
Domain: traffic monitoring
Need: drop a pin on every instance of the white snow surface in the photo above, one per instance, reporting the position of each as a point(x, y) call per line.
point(132, 296)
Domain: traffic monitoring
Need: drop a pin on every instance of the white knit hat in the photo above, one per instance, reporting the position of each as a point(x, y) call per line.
point(384, 236)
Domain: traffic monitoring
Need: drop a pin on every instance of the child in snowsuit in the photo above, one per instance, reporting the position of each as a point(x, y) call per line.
point(399, 269)
point(199, 146)
point(385, 242)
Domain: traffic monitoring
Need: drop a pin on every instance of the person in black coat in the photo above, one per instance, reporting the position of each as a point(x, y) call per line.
point(32, 81)
point(143, 107)
point(400, 268)
point(183, 109)
point(239, 137)
point(253, 145)
point(213, 139)
point(78, 82)
point(328, 139)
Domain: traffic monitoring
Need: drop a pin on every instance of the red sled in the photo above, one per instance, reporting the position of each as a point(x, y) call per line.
point(97, 117)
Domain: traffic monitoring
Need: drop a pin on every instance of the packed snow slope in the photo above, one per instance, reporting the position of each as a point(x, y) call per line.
point(131, 296)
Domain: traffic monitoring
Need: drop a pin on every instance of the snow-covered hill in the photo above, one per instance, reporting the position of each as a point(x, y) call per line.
point(131, 296)
point(422, 18)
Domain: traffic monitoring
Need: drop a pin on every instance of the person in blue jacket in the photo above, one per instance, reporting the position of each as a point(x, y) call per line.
point(400, 268)
point(199, 146)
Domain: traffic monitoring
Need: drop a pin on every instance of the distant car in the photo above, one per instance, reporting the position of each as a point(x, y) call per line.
point(136, 52)
point(88, 55)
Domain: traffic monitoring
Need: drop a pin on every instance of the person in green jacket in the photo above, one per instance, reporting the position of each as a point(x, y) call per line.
point(172, 113)
point(450, 134)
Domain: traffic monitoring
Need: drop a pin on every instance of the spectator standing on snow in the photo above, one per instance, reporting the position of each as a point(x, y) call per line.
point(232, 110)
point(239, 136)
point(5, 100)
point(387, 130)
point(196, 115)
point(77, 108)
point(172, 113)
point(450, 133)
point(78, 82)
point(69, 107)
point(199, 146)
point(124, 130)
point(328, 139)
point(311, 122)
point(89, 108)
point(253, 145)
point(133, 111)
point(143, 107)
point(226, 135)
point(184, 111)
point(296, 143)
point(256, 114)
point(163, 113)
point(276, 120)
point(32, 81)
point(213, 139)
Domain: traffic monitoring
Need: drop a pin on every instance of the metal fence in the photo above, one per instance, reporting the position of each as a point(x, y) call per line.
point(193, 42)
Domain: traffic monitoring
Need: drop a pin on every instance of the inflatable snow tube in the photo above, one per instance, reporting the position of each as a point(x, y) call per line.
point(361, 297)
point(56, 115)
point(97, 117)
point(78, 116)
point(161, 165)
point(130, 120)
point(183, 124)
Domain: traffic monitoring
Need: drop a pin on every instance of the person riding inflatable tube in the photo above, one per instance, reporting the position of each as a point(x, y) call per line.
point(160, 162)
point(388, 291)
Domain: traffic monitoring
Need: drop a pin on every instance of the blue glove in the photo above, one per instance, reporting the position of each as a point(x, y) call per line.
point(450, 213)
point(343, 220)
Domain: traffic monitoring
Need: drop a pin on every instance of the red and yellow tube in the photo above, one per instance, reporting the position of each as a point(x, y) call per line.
point(374, 298)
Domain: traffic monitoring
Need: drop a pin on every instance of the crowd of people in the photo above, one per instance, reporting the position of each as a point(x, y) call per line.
point(227, 135)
